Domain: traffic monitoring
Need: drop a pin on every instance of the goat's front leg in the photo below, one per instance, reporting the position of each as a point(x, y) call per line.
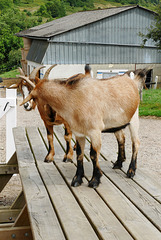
point(51, 152)
point(77, 180)
point(68, 157)
point(94, 155)
point(120, 136)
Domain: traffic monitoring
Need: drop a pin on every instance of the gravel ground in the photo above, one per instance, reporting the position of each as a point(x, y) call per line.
point(149, 157)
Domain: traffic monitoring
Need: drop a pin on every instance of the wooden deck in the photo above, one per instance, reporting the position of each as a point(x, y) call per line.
point(120, 208)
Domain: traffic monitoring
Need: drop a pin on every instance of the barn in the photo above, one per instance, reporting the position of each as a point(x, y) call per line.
point(107, 39)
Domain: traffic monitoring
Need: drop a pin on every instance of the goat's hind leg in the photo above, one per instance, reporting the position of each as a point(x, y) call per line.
point(68, 157)
point(94, 155)
point(120, 136)
point(134, 127)
point(77, 180)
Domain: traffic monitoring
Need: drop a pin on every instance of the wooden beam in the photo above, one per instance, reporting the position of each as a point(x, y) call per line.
point(6, 225)
point(22, 219)
point(13, 159)
point(19, 203)
point(8, 169)
point(18, 233)
point(4, 179)
point(8, 215)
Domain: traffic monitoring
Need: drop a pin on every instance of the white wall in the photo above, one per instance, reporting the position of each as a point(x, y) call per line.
point(67, 70)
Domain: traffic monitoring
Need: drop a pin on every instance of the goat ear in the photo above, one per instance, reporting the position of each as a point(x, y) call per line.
point(28, 98)
point(14, 86)
point(37, 80)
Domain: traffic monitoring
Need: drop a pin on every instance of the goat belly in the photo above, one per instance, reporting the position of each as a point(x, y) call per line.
point(111, 130)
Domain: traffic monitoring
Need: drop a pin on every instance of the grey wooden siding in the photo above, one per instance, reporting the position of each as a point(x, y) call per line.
point(112, 40)
point(122, 28)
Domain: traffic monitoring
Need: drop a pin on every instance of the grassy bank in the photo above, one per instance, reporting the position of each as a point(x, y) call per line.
point(151, 104)
point(10, 74)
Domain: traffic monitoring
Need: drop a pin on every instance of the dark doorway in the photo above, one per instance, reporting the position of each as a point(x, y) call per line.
point(149, 78)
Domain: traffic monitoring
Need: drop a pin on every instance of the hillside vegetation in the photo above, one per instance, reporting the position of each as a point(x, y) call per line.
point(18, 15)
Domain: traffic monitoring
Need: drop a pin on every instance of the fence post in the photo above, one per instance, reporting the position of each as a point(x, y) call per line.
point(11, 122)
point(156, 81)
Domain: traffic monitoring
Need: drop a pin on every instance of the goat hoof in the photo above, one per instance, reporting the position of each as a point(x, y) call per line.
point(117, 165)
point(94, 183)
point(66, 160)
point(130, 173)
point(76, 182)
point(48, 160)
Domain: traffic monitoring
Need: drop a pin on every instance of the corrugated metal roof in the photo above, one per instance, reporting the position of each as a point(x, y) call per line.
point(71, 22)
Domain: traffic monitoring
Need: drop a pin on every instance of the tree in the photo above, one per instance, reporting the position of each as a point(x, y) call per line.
point(154, 32)
point(14, 58)
point(53, 8)
point(5, 4)
point(11, 22)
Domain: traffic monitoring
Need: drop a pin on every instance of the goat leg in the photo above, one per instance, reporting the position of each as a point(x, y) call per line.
point(133, 164)
point(77, 180)
point(121, 149)
point(68, 157)
point(97, 173)
point(50, 156)
point(94, 155)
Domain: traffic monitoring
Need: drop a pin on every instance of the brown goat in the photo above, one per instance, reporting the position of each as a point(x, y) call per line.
point(91, 106)
point(48, 115)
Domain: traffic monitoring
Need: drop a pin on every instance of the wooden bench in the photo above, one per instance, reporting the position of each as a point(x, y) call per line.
point(50, 209)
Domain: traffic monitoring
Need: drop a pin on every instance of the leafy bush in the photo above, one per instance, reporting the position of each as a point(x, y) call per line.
point(53, 8)
point(14, 58)
point(11, 22)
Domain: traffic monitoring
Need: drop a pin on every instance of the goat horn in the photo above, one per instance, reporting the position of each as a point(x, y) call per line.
point(28, 98)
point(28, 80)
point(34, 72)
point(21, 71)
point(48, 71)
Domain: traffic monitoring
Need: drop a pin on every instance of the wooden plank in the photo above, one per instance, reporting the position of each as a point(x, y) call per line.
point(8, 215)
point(6, 225)
point(63, 200)
point(44, 223)
point(150, 207)
point(134, 221)
point(101, 217)
point(4, 179)
point(24, 155)
point(19, 233)
point(22, 219)
point(148, 183)
point(144, 202)
point(8, 169)
point(19, 203)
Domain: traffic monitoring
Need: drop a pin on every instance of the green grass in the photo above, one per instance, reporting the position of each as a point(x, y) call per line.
point(151, 104)
point(10, 74)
